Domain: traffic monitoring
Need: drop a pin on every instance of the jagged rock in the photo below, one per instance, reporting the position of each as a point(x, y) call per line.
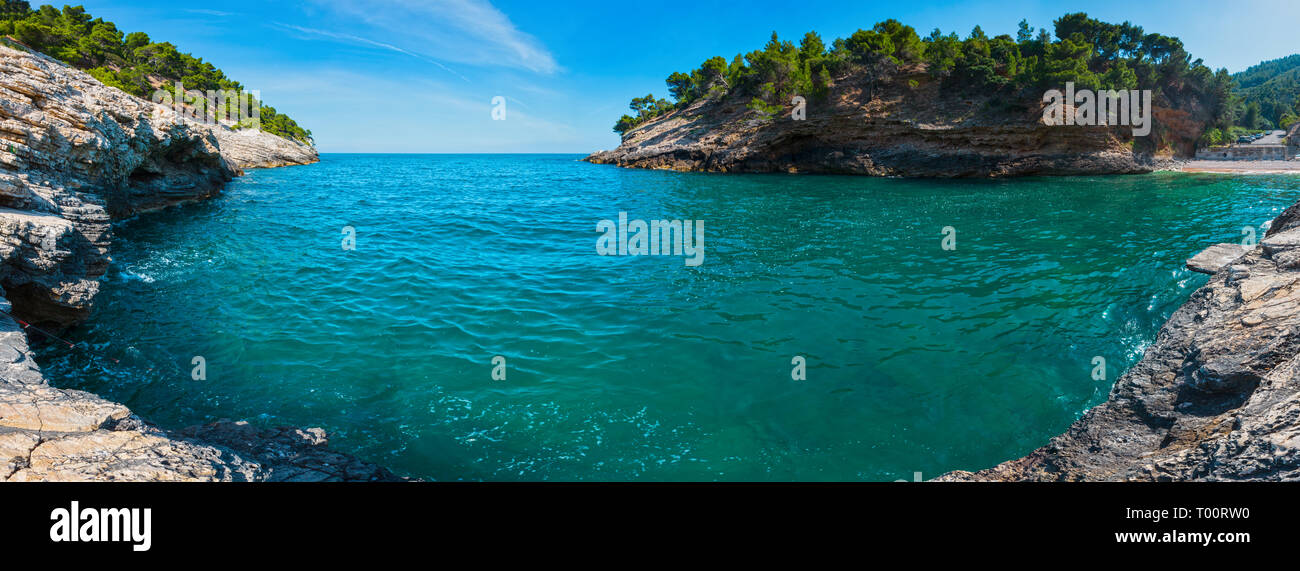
point(247, 149)
point(52, 434)
point(1215, 258)
point(74, 154)
point(42, 408)
point(291, 454)
point(1217, 397)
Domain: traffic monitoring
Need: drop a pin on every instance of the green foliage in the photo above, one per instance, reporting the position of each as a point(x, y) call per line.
point(867, 46)
point(282, 125)
point(1213, 137)
point(942, 52)
point(1087, 52)
point(763, 107)
point(1250, 119)
point(906, 46)
point(1024, 32)
point(130, 62)
point(1273, 86)
point(14, 10)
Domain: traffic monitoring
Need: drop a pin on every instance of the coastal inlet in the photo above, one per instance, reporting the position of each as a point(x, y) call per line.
point(918, 358)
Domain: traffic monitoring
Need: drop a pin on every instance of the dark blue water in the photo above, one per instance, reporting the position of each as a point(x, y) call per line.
point(919, 359)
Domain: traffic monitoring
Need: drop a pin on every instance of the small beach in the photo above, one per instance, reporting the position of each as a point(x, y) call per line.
point(1241, 167)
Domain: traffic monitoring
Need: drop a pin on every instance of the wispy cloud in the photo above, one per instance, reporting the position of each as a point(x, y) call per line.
point(464, 31)
point(205, 12)
point(354, 39)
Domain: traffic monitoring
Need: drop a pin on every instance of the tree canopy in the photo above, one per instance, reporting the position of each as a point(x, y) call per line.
point(131, 62)
point(1088, 52)
point(1268, 94)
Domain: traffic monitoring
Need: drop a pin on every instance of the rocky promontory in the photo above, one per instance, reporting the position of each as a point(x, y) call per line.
point(902, 125)
point(74, 156)
point(1217, 397)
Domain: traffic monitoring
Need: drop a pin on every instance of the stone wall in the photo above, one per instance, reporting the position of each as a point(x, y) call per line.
point(1245, 153)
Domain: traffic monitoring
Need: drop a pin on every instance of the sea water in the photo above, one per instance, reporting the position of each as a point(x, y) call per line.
point(839, 328)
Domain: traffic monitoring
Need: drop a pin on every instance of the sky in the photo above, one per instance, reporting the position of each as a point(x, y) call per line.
point(420, 76)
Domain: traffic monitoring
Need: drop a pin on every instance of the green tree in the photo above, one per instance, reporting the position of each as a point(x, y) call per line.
point(679, 85)
point(866, 46)
point(907, 47)
point(942, 52)
point(811, 47)
point(1024, 33)
point(1251, 118)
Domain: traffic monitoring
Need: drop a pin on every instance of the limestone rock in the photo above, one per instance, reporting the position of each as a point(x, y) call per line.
point(75, 154)
point(246, 149)
point(1215, 258)
point(1217, 397)
point(899, 124)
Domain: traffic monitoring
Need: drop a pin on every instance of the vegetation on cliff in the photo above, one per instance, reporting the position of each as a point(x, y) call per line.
point(1268, 94)
point(131, 62)
point(1088, 52)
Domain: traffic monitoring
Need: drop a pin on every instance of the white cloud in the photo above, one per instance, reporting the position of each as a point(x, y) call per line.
point(349, 38)
point(464, 31)
point(216, 13)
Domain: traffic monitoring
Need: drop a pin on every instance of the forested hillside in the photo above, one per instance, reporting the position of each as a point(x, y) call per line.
point(1269, 94)
point(1090, 53)
point(131, 62)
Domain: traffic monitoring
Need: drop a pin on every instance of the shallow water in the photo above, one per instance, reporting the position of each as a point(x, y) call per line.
point(919, 359)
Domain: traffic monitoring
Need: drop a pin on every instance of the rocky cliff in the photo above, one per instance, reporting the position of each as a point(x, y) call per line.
point(74, 156)
point(1217, 397)
point(904, 126)
point(249, 149)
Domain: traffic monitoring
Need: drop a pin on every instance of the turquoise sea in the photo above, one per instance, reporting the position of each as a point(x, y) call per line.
point(918, 359)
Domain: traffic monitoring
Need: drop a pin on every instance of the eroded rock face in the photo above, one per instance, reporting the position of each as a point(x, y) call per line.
point(74, 155)
point(1217, 397)
point(248, 149)
point(891, 128)
point(1216, 257)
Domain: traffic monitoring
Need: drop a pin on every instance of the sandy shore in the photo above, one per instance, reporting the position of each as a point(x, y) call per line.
point(1241, 167)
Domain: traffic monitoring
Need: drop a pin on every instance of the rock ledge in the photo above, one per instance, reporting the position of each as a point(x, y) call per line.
point(1216, 398)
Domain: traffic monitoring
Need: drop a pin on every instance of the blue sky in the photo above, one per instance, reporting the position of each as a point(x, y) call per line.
point(420, 75)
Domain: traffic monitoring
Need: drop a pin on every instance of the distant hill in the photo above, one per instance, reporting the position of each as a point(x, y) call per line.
point(1273, 87)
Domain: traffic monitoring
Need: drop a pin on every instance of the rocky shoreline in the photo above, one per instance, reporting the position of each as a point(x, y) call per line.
point(76, 155)
point(1216, 398)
